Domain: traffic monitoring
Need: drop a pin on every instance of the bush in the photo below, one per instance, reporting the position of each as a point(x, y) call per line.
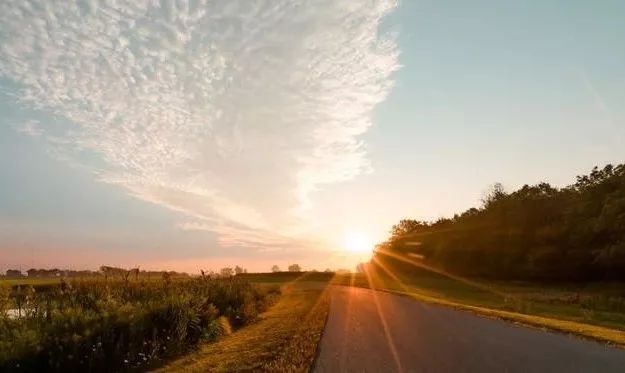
point(120, 325)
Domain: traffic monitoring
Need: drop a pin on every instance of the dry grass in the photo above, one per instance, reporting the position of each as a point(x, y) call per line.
point(284, 340)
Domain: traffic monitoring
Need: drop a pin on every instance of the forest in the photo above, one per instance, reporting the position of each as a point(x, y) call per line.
point(538, 232)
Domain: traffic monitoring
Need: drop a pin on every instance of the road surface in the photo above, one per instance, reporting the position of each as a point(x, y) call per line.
point(417, 337)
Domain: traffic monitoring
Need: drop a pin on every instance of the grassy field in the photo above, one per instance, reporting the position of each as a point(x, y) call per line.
point(118, 325)
point(285, 277)
point(594, 311)
point(283, 340)
point(29, 281)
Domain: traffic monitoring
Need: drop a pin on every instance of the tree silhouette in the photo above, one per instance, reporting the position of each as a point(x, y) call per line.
point(537, 232)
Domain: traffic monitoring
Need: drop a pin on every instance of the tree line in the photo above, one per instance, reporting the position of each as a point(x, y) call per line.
point(104, 271)
point(538, 232)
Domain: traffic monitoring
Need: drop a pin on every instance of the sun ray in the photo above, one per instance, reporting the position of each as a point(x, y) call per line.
point(383, 266)
point(444, 273)
point(350, 290)
point(387, 334)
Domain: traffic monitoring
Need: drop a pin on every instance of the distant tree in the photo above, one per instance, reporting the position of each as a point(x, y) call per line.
point(226, 272)
point(238, 270)
point(55, 272)
point(275, 268)
point(295, 268)
point(14, 273)
point(406, 226)
point(496, 193)
point(210, 274)
point(113, 271)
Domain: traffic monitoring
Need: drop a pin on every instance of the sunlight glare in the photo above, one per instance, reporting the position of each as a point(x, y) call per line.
point(357, 242)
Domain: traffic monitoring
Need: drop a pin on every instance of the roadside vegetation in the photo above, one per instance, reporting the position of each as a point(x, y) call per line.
point(115, 325)
point(284, 339)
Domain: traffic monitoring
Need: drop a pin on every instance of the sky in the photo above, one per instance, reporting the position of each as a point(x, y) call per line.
point(193, 135)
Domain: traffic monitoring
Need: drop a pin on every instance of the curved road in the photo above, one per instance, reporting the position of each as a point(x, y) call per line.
point(417, 337)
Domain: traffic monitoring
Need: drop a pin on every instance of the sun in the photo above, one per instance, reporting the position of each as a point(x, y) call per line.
point(357, 242)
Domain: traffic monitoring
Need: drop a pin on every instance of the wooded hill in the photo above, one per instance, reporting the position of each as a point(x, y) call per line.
point(538, 232)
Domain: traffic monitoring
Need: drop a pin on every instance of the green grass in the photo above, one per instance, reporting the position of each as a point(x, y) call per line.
point(29, 281)
point(593, 311)
point(283, 340)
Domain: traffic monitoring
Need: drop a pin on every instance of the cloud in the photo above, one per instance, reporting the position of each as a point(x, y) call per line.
point(30, 127)
point(232, 112)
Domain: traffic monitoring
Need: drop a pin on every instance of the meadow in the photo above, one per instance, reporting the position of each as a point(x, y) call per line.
point(120, 325)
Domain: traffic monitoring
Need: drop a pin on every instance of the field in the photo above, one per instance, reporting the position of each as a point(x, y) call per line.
point(595, 310)
point(260, 322)
point(114, 325)
point(284, 340)
point(29, 281)
point(286, 277)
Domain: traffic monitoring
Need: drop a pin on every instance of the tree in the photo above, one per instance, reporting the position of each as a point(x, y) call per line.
point(496, 193)
point(295, 268)
point(406, 226)
point(238, 270)
point(275, 268)
point(112, 271)
point(13, 273)
point(226, 272)
point(538, 232)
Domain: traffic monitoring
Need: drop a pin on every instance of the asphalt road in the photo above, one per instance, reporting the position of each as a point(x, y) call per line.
point(417, 337)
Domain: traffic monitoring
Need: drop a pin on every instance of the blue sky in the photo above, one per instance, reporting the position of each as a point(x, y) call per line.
point(265, 134)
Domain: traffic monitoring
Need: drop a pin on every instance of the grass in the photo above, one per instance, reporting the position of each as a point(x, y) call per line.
point(283, 340)
point(116, 325)
point(285, 277)
point(29, 281)
point(584, 311)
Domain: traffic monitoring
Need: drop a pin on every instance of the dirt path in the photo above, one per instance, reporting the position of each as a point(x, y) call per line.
point(416, 337)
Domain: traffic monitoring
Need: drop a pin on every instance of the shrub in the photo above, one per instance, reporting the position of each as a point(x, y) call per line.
point(118, 325)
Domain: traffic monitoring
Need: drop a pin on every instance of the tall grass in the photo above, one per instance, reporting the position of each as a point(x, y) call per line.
point(119, 325)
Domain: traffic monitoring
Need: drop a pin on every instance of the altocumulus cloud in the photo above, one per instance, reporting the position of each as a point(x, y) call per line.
point(230, 111)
